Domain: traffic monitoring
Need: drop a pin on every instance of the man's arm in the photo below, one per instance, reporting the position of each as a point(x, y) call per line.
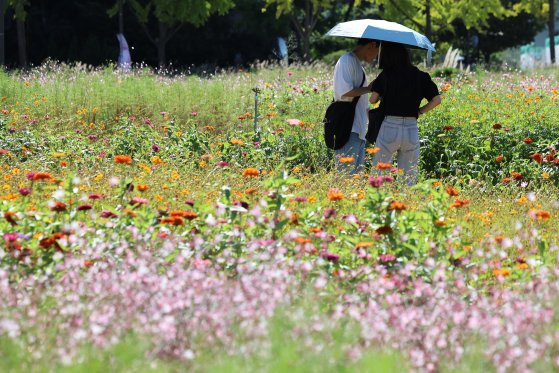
point(358, 91)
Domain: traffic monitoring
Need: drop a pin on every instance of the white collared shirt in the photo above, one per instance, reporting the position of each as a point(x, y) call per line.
point(348, 74)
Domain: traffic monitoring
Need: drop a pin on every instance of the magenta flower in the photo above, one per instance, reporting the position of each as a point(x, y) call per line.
point(94, 196)
point(376, 181)
point(329, 213)
point(155, 148)
point(222, 164)
point(386, 258)
point(24, 191)
point(30, 175)
point(84, 207)
point(331, 257)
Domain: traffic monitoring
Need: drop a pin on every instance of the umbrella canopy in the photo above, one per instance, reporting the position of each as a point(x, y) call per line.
point(381, 30)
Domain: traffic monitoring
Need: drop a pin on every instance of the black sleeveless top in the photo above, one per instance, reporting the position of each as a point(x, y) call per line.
point(405, 89)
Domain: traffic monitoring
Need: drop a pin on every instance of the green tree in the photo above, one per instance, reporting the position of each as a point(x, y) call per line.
point(505, 32)
point(170, 16)
point(303, 16)
point(544, 9)
point(20, 14)
point(436, 16)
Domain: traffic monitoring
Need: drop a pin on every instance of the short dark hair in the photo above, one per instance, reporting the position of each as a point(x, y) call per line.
point(393, 56)
point(364, 41)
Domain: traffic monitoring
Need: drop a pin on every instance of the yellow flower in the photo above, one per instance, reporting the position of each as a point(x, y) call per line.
point(312, 199)
point(15, 171)
point(545, 175)
point(145, 167)
point(202, 164)
point(98, 177)
point(174, 175)
point(522, 200)
point(237, 142)
point(156, 159)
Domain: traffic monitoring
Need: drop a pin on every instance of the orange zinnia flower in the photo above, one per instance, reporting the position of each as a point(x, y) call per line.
point(41, 176)
point(87, 263)
point(237, 142)
point(383, 166)
point(363, 245)
point(528, 140)
point(250, 190)
point(451, 191)
point(335, 195)
point(436, 184)
point(517, 175)
point(251, 172)
point(142, 187)
point(506, 180)
point(439, 223)
point(347, 159)
point(190, 215)
point(540, 214)
point(499, 158)
point(59, 207)
point(537, 157)
point(395, 205)
point(501, 272)
point(302, 240)
point(460, 203)
point(173, 220)
point(123, 159)
point(372, 150)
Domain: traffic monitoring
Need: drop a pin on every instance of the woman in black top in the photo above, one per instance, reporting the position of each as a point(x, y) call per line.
point(401, 87)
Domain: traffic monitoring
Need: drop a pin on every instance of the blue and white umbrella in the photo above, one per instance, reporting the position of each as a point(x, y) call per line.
point(382, 30)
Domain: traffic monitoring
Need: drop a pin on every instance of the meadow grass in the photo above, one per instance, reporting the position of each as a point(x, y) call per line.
point(194, 152)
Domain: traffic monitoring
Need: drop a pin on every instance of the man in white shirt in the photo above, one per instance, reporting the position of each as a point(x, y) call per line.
point(348, 74)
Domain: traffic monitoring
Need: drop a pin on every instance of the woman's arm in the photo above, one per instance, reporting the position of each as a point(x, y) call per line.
point(435, 101)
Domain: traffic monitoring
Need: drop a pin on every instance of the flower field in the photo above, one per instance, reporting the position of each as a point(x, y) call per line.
point(155, 223)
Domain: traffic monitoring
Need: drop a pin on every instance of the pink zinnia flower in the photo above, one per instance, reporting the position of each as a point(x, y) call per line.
point(139, 201)
point(107, 214)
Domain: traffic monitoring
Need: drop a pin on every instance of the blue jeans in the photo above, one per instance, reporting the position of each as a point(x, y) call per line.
point(355, 148)
point(399, 135)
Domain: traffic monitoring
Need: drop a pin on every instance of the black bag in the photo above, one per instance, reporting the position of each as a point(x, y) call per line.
point(338, 121)
point(376, 117)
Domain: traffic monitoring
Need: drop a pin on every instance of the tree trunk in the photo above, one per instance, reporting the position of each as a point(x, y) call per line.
point(2, 60)
point(551, 27)
point(161, 43)
point(306, 47)
point(349, 10)
point(21, 43)
point(428, 19)
point(121, 17)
